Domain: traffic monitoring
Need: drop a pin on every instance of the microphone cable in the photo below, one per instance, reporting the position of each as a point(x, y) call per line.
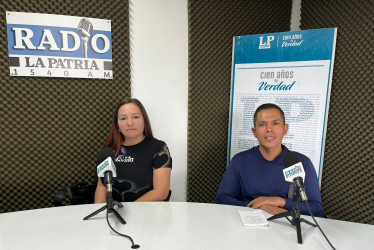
point(133, 246)
point(311, 214)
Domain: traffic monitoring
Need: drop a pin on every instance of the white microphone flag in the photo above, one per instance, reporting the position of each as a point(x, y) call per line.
point(106, 165)
point(294, 171)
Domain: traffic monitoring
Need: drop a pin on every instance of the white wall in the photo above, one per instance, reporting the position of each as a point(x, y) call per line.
point(295, 15)
point(159, 76)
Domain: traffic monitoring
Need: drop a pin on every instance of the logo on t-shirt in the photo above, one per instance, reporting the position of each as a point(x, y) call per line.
point(125, 159)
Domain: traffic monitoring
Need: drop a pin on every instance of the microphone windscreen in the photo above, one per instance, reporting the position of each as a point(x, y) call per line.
point(291, 158)
point(103, 154)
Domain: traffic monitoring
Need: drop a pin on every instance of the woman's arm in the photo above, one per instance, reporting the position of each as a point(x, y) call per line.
point(100, 193)
point(161, 186)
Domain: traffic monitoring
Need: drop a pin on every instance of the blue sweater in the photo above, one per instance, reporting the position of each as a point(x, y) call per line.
point(249, 175)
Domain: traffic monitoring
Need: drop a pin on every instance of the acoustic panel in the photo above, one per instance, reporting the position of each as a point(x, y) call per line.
point(212, 26)
point(53, 128)
point(348, 167)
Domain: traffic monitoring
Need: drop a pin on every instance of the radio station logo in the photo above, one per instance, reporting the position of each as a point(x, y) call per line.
point(103, 166)
point(73, 50)
point(293, 171)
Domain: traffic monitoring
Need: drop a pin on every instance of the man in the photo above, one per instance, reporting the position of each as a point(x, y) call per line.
point(254, 178)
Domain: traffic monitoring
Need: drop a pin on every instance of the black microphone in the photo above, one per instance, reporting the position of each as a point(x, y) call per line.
point(107, 169)
point(294, 172)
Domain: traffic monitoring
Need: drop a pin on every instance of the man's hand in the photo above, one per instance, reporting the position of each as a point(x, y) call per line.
point(273, 210)
point(265, 200)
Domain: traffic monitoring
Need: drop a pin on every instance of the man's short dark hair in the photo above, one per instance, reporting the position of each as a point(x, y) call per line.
point(267, 106)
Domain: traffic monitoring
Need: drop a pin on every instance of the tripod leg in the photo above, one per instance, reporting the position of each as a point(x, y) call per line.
point(298, 231)
point(281, 215)
point(308, 222)
point(95, 213)
point(119, 217)
point(119, 204)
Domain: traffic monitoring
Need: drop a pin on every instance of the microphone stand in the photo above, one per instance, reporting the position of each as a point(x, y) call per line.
point(295, 214)
point(110, 206)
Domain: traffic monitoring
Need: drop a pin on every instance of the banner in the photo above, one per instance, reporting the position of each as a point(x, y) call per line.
point(48, 45)
point(293, 70)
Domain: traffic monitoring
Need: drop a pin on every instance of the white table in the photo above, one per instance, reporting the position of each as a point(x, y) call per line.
point(169, 225)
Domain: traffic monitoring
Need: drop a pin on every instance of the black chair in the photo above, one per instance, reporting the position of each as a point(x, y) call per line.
point(76, 194)
point(168, 198)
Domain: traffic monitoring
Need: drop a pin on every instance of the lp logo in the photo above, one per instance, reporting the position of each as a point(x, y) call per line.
point(265, 45)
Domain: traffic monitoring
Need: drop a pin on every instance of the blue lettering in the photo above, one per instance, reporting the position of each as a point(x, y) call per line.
point(262, 85)
point(105, 164)
point(279, 86)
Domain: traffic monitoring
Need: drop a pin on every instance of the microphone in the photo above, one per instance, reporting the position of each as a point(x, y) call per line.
point(106, 168)
point(294, 172)
point(85, 30)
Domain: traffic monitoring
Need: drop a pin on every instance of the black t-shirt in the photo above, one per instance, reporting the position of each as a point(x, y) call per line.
point(135, 165)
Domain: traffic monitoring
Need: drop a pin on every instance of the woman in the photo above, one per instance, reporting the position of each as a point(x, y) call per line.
point(143, 163)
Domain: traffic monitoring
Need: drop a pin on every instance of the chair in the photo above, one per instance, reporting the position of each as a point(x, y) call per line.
point(79, 193)
point(168, 198)
point(76, 194)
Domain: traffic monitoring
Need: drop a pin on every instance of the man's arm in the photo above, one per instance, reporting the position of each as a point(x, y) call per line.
point(312, 191)
point(272, 205)
point(273, 210)
point(267, 200)
point(229, 190)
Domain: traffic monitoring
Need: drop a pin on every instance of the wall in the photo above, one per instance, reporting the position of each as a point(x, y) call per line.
point(348, 167)
point(53, 128)
point(159, 76)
